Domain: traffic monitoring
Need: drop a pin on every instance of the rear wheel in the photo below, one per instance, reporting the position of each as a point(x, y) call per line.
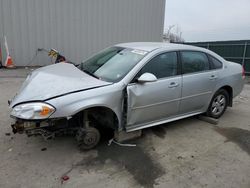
point(87, 138)
point(218, 104)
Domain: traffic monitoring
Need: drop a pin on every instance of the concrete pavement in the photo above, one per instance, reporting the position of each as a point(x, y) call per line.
point(185, 153)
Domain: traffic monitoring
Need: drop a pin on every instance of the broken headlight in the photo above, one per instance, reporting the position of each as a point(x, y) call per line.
point(36, 110)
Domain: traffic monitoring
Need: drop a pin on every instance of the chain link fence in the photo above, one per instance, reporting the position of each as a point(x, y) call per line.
point(236, 51)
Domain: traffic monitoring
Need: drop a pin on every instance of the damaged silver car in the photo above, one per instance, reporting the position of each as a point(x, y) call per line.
point(126, 87)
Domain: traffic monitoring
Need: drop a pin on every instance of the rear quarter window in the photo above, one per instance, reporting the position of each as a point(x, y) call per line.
point(216, 64)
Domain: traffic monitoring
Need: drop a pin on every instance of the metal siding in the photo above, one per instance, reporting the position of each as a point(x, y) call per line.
point(236, 51)
point(1, 23)
point(77, 28)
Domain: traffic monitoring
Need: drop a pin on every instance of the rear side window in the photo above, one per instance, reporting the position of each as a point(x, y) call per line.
point(216, 64)
point(163, 65)
point(194, 62)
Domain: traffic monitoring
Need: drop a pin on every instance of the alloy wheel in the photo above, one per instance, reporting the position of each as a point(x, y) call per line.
point(218, 105)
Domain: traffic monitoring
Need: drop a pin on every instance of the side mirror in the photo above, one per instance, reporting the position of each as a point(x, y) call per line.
point(147, 77)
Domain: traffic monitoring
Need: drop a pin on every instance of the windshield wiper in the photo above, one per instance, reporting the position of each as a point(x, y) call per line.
point(90, 73)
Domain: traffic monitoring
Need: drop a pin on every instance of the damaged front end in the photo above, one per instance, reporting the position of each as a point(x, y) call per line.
point(47, 129)
point(79, 126)
point(33, 119)
point(21, 126)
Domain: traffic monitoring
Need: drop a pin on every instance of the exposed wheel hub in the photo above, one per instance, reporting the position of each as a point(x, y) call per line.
point(90, 138)
point(87, 138)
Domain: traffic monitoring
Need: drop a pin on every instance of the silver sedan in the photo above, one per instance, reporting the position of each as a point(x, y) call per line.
point(126, 87)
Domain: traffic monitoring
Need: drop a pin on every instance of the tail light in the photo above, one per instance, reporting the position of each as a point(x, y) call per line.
point(243, 73)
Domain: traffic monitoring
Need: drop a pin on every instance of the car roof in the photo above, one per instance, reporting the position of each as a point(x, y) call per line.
point(150, 46)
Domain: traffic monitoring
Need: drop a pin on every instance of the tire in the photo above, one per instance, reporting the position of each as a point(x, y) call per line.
point(218, 104)
point(88, 138)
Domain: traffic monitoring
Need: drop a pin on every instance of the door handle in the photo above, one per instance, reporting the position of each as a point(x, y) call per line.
point(212, 77)
point(173, 84)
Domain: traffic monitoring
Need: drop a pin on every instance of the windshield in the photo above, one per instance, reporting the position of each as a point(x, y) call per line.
point(113, 63)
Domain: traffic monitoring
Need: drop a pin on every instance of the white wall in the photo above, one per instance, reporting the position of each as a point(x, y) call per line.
point(77, 28)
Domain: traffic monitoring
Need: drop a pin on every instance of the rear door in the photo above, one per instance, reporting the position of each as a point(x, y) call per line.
point(199, 81)
point(153, 101)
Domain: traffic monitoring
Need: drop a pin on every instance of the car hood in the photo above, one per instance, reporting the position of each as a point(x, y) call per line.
point(53, 81)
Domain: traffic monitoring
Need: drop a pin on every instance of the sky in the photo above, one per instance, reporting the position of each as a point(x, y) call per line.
point(209, 20)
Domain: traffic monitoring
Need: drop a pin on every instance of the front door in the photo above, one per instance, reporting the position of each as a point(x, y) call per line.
point(152, 102)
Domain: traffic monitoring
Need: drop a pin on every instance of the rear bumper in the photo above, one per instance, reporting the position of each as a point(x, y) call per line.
point(238, 87)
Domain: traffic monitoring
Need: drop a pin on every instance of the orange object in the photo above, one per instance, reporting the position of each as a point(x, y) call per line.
point(45, 111)
point(9, 62)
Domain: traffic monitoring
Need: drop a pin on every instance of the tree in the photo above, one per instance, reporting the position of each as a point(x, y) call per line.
point(173, 36)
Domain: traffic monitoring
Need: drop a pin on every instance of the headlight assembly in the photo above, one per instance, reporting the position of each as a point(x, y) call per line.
point(35, 110)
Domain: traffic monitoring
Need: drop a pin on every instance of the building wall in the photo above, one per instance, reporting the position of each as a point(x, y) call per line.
point(77, 28)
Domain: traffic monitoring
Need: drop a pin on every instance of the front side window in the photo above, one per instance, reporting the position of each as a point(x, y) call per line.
point(113, 63)
point(194, 62)
point(163, 65)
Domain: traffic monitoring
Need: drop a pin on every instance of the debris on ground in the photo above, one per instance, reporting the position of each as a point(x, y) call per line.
point(243, 98)
point(208, 119)
point(179, 157)
point(120, 144)
point(43, 149)
point(7, 134)
point(10, 149)
point(64, 178)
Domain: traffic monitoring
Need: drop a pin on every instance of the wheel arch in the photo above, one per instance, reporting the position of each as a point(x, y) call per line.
point(229, 90)
point(103, 115)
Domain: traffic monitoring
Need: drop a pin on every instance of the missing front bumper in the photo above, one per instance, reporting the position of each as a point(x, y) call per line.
point(47, 129)
point(32, 129)
point(20, 126)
